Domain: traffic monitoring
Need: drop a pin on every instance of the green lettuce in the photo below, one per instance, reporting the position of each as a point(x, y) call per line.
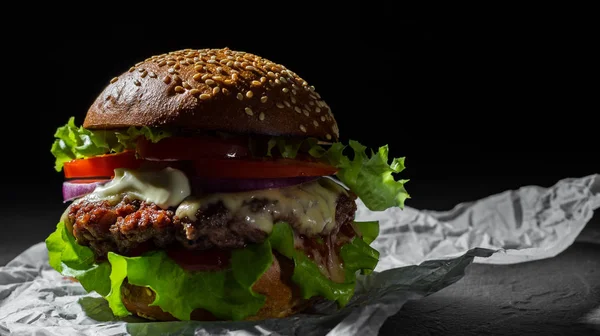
point(227, 294)
point(74, 142)
point(73, 260)
point(370, 177)
point(356, 256)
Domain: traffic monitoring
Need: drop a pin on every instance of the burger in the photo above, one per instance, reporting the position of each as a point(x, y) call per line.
point(212, 185)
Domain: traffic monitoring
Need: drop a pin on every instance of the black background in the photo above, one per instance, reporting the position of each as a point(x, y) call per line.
point(475, 108)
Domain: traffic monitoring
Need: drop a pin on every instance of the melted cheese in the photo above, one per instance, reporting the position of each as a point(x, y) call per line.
point(313, 204)
point(166, 188)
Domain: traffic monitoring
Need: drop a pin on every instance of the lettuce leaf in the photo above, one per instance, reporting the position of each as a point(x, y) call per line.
point(73, 260)
point(74, 142)
point(368, 230)
point(370, 177)
point(227, 294)
point(356, 256)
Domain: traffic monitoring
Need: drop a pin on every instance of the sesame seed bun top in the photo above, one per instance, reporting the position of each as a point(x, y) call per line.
point(213, 90)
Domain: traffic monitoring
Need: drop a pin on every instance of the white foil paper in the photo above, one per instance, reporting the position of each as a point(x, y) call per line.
point(421, 252)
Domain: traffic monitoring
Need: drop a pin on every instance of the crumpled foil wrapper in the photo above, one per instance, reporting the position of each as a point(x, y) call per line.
point(421, 253)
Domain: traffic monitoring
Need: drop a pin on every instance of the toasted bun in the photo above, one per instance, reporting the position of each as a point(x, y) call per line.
point(213, 90)
point(283, 297)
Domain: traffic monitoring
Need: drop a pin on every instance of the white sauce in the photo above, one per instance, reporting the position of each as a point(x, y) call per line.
point(167, 188)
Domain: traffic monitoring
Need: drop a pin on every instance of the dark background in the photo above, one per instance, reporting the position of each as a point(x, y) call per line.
point(475, 108)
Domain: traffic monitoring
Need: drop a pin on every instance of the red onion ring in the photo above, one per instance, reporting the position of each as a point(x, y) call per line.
point(236, 185)
point(72, 190)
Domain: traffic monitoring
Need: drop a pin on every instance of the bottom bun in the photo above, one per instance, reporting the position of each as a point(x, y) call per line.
point(283, 297)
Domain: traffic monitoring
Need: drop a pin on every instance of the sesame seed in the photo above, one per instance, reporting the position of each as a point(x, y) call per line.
point(249, 111)
point(312, 88)
point(213, 57)
point(316, 123)
point(217, 77)
point(228, 81)
point(216, 90)
point(211, 61)
point(114, 80)
point(209, 82)
point(137, 82)
point(297, 109)
point(205, 76)
point(177, 66)
point(283, 80)
point(328, 136)
point(237, 64)
point(186, 85)
point(225, 91)
point(261, 116)
point(204, 96)
point(271, 83)
point(141, 70)
point(264, 99)
point(285, 90)
point(317, 109)
point(195, 92)
point(277, 81)
point(230, 64)
point(311, 103)
point(240, 96)
point(280, 105)
point(179, 89)
point(293, 100)
point(255, 83)
point(176, 78)
point(306, 113)
point(294, 86)
point(219, 69)
point(323, 118)
point(152, 75)
point(170, 63)
point(198, 68)
point(302, 128)
point(250, 68)
point(271, 74)
point(263, 79)
point(171, 70)
point(293, 92)
point(197, 77)
point(131, 69)
point(249, 94)
point(167, 79)
point(234, 76)
point(287, 103)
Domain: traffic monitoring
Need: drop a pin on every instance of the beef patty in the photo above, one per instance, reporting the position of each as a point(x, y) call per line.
point(132, 227)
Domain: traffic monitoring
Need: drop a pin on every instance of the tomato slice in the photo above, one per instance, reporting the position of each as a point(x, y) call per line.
point(101, 166)
point(260, 168)
point(191, 148)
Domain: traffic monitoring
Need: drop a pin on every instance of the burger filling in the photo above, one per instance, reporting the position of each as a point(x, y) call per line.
point(321, 213)
point(198, 218)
